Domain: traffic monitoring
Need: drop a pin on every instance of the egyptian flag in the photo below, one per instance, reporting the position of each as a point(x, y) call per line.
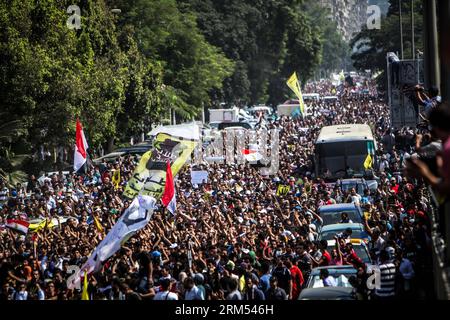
point(251, 154)
point(168, 198)
point(81, 146)
point(18, 225)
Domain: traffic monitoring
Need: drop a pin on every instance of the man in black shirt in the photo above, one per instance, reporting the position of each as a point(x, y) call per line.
point(275, 292)
point(145, 269)
point(252, 293)
point(226, 282)
point(283, 276)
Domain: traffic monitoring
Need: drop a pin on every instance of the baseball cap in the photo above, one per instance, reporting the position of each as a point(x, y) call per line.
point(156, 254)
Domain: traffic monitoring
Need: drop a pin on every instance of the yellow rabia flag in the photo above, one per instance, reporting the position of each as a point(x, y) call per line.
point(97, 224)
point(116, 178)
point(295, 86)
point(283, 190)
point(149, 176)
point(35, 227)
point(84, 294)
point(368, 162)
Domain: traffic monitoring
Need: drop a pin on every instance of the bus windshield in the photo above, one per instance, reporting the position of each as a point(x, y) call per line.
point(335, 158)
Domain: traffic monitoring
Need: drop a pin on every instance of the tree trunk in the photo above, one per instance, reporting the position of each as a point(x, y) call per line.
point(110, 146)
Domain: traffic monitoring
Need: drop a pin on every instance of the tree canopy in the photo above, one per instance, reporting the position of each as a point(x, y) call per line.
point(371, 46)
point(123, 71)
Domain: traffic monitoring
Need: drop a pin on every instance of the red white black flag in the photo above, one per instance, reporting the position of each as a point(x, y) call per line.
point(81, 147)
point(168, 198)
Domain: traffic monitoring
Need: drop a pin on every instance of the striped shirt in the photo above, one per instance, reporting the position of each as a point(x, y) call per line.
point(4, 192)
point(387, 280)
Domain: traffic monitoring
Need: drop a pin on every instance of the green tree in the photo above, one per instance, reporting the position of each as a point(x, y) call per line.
point(192, 67)
point(371, 46)
point(267, 40)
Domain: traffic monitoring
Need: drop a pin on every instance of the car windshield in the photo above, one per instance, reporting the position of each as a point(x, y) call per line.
point(341, 280)
point(234, 124)
point(361, 252)
point(359, 187)
point(329, 235)
point(332, 217)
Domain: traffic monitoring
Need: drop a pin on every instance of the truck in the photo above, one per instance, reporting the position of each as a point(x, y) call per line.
point(224, 115)
point(289, 106)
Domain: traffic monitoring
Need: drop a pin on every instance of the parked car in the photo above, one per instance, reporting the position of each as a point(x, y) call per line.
point(331, 214)
point(137, 149)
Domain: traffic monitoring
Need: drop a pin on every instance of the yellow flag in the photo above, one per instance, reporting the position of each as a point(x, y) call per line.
point(84, 294)
point(295, 86)
point(150, 174)
point(116, 178)
point(97, 224)
point(283, 190)
point(35, 227)
point(368, 162)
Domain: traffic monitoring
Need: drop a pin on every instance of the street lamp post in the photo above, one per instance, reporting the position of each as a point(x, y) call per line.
point(401, 27)
point(413, 49)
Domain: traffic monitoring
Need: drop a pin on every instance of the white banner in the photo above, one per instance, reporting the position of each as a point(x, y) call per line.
point(136, 217)
point(197, 177)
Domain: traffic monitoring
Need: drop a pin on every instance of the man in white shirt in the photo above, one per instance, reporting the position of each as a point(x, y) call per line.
point(327, 280)
point(4, 192)
point(407, 271)
point(356, 198)
point(165, 293)
point(192, 291)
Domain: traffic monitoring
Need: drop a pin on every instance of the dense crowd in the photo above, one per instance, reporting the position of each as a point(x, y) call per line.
point(233, 237)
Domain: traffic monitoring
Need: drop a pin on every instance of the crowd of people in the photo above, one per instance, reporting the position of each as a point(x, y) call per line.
point(234, 237)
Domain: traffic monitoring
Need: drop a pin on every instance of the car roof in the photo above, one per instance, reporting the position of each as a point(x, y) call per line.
point(342, 226)
point(352, 180)
point(342, 267)
point(337, 207)
point(345, 132)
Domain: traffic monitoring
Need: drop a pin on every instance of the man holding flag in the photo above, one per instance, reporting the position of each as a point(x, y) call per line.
point(294, 84)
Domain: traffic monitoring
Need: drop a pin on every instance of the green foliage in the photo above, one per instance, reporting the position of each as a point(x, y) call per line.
point(122, 73)
point(192, 67)
point(371, 46)
point(50, 75)
point(268, 40)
